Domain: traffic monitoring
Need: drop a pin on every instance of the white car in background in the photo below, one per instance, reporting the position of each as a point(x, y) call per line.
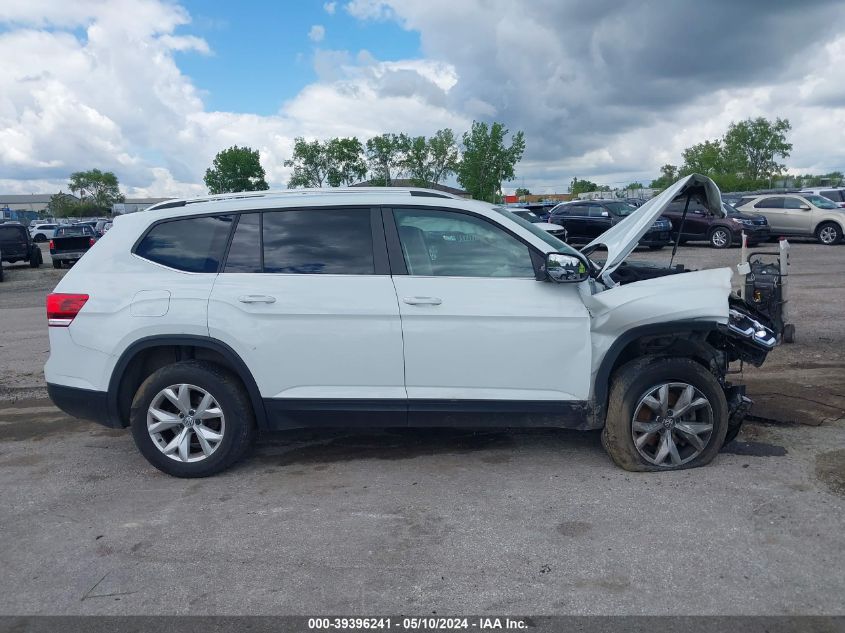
point(43, 232)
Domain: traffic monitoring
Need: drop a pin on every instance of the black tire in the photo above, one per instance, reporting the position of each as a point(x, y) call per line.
point(57, 263)
point(1, 271)
point(39, 237)
point(829, 233)
point(35, 258)
point(635, 379)
point(720, 237)
point(731, 435)
point(229, 393)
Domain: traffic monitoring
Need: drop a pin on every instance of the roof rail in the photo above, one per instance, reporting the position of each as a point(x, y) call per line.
point(287, 193)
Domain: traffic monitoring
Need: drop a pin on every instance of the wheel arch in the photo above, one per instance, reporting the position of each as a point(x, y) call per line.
point(687, 339)
point(129, 371)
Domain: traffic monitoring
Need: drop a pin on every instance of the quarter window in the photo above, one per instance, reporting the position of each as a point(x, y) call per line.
point(318, 241)
point(450, 244)
point(193, 245)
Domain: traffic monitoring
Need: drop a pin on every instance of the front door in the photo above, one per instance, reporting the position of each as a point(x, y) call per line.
point(477, 325)
point(796, 216)
point(306, 300)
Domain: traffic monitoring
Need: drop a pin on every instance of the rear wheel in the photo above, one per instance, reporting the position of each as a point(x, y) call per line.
point(720, 237)
point(829, 233)
point(1, 271)
point(40, 237)
point(57, 263)
point(35, 258)
point(192, 419)
point(664, 414)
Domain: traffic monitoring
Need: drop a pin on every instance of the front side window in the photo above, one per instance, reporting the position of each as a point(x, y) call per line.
point(318, 241)
point(597, 211)
point(793, 203)
point(449, 244)
point(621, 208)
point(770, 203)
point(821, 202)
point(193, 245)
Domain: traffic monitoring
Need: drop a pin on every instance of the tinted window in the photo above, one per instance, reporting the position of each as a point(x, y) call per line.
point(770, 203)
point(194, 244)
point(621, 208)
point(837, 195)
point(10, 234)
point(596, 211)
point(793, 203)
point(245, 251)
point(450, 244)
point(318, 241)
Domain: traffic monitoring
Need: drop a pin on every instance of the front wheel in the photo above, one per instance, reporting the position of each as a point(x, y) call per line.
point(192, 419)
point(35, 258)
point(829, 233)
point(664, 414)
point(40, 237)
point(720, 237)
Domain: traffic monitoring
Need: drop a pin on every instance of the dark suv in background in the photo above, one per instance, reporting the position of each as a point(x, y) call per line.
point(585, 220)
point(16, 245)
point(700, 224)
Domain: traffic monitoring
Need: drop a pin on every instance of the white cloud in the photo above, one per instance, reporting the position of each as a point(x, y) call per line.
point(95, 84)
point(317, 33)
point(329, 7)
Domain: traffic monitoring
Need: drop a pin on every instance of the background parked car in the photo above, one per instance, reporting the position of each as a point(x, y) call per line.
point(70, 243)
point(585, 220)
point(801, 215)
point(834, 194)
point(18, 246)
point(555, 229)
point(700, 224)
point(42, 232)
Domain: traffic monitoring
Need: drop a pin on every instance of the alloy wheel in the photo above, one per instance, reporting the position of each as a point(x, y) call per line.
point(719, 238)
point(828, 235)
point(672, 424)
point(185, 423)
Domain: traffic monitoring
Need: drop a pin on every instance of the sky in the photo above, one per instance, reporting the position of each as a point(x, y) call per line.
point(608, 90)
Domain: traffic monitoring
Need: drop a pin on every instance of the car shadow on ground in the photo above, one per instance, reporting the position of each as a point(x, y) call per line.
point(310, 446)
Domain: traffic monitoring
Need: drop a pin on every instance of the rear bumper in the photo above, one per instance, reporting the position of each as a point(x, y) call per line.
point(82, 403)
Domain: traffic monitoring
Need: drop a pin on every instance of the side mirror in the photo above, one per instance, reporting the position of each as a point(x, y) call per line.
point(563, 268)
point(804, 207)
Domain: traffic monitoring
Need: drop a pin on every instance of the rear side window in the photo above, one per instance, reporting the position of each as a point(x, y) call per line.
point(770, 203)
point(194, 245)
point(318, 241)
point(245, 251)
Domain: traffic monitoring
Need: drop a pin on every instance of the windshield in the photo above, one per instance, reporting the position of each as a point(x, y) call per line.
point(730, 209)
point(621, 208)
point(821, 202)
point(528, 215)
point(556, 244)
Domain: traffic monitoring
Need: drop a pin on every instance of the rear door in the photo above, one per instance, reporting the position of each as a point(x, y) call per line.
point(306, 299)
point(477, 325)
point(773, 209)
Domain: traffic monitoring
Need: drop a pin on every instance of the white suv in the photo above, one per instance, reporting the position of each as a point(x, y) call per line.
point(199, 321)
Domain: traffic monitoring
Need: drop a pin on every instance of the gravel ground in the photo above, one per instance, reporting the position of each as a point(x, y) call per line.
point(417, 522)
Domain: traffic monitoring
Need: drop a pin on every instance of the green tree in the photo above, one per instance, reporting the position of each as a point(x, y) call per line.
point(443, 155)
point(668, 175)
point(310, 164)
point(522, 191)
point(634, 185)
point(345, 161)
point(236, 169)
point(62, 205)
point(582, 186)
point(487, 162)
point(99, 189)
point(751, 147)
point(385, 154)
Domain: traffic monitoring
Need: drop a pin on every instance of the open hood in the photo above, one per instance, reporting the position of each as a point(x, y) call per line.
point(622, 238)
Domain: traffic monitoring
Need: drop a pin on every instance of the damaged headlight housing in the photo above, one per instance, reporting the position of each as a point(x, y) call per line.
point(751, 329)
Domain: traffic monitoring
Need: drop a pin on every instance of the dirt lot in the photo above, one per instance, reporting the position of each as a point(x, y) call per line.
point(435, 521)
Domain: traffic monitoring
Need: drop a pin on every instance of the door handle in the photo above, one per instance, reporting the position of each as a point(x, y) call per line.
point(256, 299)
point(423, 301)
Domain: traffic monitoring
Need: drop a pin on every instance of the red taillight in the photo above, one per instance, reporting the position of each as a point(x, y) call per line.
point(52, 245)
point(91, 241)
point(62, 308)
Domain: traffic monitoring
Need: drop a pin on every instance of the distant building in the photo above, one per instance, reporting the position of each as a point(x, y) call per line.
point(131, 205)
point(26, 207)
point(407, 182)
